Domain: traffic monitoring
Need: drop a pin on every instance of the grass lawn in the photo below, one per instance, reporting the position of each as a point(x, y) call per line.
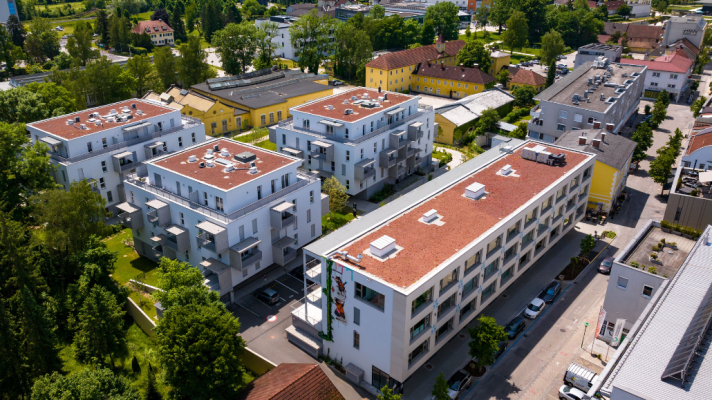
point(516, 58)
point(68, 26)
point(528, 50)
point(78, 6)
point(129, 263)
point(333, 221)
point(493, 36)
point(144, 16)
point(267, 145)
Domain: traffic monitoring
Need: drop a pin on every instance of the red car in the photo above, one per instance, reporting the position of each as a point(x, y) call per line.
point(606, 264)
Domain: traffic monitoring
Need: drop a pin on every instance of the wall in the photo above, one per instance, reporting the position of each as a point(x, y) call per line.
point(701, 159)
point(256, 363)
point(216, 114)
point(593, 54)
point(446, 87)
point(604, 181)
point(659, 80)
point(397, 79)
point(694, 32)
point(499, 63)
point(145, 322)
point(695, 212)
point(448, 133)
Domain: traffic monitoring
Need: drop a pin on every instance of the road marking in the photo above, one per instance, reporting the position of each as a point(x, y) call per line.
point(256, 315)
point(283, 299)
point(260, 301)
point(286, 286)
point(290, 275)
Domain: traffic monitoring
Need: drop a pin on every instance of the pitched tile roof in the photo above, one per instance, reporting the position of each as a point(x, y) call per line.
point(669, 63)
point(442, 71)
point(614, 5)
point(152, 26)
point(636, 31)
point(404, 58)
point(615, 151)
point(699, 140)
point(292, 382)
point(610, 28)
point(527, 77)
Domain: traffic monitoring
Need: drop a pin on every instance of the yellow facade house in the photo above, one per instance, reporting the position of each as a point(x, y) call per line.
point(457, 118)
point(265, 95)
point(450, 81)
point(500, 60)
point(614, 153)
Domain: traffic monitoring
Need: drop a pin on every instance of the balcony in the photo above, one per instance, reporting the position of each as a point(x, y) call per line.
point(159, 213)
point(322, 151)
point(281, 215)
point(245, 253)
point(212, 237)
point(219, 275)
point(397, 171)
point(313, 270)
point(397, 140)
point(153, 149)
point(293, 152)
point(283, 250)
point(124, 161)
point(364, 169)
point(131, 217)
point(415, 131)
point(177, 238)
point(387, 158)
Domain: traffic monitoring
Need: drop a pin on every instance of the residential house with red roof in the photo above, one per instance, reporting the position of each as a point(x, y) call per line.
point(520, 77)
point(641, 38)
point(450, 81)
point(161, 34)
point(668, 72)
point(699, 151)
point(292, 382)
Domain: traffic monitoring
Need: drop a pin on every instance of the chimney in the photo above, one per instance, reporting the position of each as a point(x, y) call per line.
point(603, 137)
point(428, 63)
point(442, 67)
point(475, 66)
point(462, 67)
point(596, 143)
point(582, 140)
point(596, 124)
point(609, 127)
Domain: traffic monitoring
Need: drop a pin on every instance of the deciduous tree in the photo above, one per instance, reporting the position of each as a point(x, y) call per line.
point(237, 45)
point(643, 136)
point(552, 46)
point(696, 107)
point(166, 66)
point(84, 384)
point(146, 77)
point(16, 30)
point(99, 328)
point(79, 46)
point(42, 43)
point(337, 194)
point(311, 37)
point(352, 48)
point(551, 73)
point(487, 122)
point(444, 19)
point(503, 77)
point(524, 96)
point(515, 37)
point(267, 48)
point(162, 15)
point(474, 52)
point(441, 388)
point(485, 339)
point(192, 65)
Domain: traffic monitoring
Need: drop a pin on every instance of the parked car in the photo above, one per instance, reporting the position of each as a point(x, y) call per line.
point(564, 72)
point(551, 291)
point(579, 377)
point(298, 273)
point(514, 327)
point(338, 83)
point(269, 296)
point(502, 348)
point(561, 66)
point(570, 393)
point(534, 308)
point(606, 264)
point(458, 383)
point(647, 118)
point(535, 62)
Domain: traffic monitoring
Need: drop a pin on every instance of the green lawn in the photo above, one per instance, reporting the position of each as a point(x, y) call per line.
point(267, 145)
point(68, 26)
point(129, 263)
point(528, 50)
point(333, 221)
point(144, 16)
point(493, 36)
point(516, 58)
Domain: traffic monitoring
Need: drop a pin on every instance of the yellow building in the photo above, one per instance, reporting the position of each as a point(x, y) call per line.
point(500, 60)
point(520, 77)
point(265, 95)
point(614, 153)
point(449, 81)
point(457, 118)
point(218, 118)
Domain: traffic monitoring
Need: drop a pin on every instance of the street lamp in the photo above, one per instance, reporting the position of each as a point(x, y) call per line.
point(585, 326)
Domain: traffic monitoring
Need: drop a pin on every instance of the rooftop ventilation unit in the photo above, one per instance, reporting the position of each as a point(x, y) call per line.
point(229, 168)
point(133, 105)
point(201, 165)
point(365, 95)
point(76, 119)
point(348, 111)
point(582, 140)
point(113, 111)
point(245, 157)
point(224, 153)
point(346, 102)
point(216, 147)
point(253, 168)
point(82, 126)
point(475, 191)
point(329, 107)
point(430, 216)
point(70, 122)
point(354, 98)
point(603, 97)
point(533, 152)
point(210, 164)
point(192, 159)
point(139, 112)
point(209, 152)
point(382, 246)
point(506, 170)
point(126, 109)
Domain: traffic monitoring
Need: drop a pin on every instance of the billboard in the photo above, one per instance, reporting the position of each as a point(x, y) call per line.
point(617, 332)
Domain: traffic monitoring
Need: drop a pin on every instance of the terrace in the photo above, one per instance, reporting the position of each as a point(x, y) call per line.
point(669, 258)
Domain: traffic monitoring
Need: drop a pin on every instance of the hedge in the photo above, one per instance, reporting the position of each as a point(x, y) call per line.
point(683, 229)
point(138, 50)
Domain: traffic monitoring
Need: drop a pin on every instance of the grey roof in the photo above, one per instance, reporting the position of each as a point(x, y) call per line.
point(379, 216)
point(471, 107)
point(646, 353)
point(601, 46)
point(686, 19)
point(616, 151)
point(570, 78)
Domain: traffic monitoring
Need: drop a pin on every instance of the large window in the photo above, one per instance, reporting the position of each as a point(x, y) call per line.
point(487, 292)
point(421, 300)
point(530, 217)
point(510, 252)
point(512, 231)
point(473, 261)
point(470, 285)
point(526, 239)
point(370, 296)
point(446, 304)
point(444, 329)
point(491, 268)
point(622, 282)
point(494, 245)
point(418, 351)
point(467, 308)
point(449, 279)
point(420, 326)
point(546, 204)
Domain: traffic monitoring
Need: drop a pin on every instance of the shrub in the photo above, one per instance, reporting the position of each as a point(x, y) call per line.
point(138, 50)
point(656, 248)
point(654, 256)
point(516, 114)
point(387, 191)
point(673, 244)
point(634, 264)
point(178, 42)
point(653, 270)
point(693, 193)
point(662, 240)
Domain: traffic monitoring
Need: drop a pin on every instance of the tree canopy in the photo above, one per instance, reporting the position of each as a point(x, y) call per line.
point(485, 338)
point(310, 37)
point(474, 52)
point(444, 19)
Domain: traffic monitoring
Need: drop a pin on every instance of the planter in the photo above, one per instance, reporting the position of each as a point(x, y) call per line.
point(670, 246)
point(666, 230)
point(655, 261)
point(336, 370)
point(677, 233)
point(686, 236)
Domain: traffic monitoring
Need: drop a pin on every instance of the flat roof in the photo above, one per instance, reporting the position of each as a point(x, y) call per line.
point(462, 221)
point(319, 107)
point(266, 162)
point(641, 366)
point(601, 46)
point(576, 82)
point(671, 259)
point(57, 126)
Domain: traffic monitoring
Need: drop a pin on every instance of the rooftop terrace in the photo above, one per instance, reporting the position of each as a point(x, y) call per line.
point(362, 101)
point(670, 259)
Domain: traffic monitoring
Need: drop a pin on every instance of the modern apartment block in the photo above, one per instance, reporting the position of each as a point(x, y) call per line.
point(404, 279)
point(104, 144)
point(690, 27)
point(597, 94)
point(283, 38)
point(363, 137)
point(228, 208)
point(592, 51)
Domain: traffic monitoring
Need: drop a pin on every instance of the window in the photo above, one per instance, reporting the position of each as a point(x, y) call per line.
point(673, 76)
point(590, 120)
point(254, 225)
point(622, 282)
point(214, 126)
point(530, 217)
point(375, 148)
point(494, 245)
point(192, 135)
point(512, 231)
point(467, 308)
point(347, 184)
point(523, 260)
point(546, 204)
point(205, 197)
point(357, 340)
point(443, 330)
point(284, 139)
point(103, 166)
point(528, 238)
point(109, 197)
point(560, 127)
point(219, 204)
point(656, 74)
point(102, 184)
point(103, 143)
point(653, 84)
point(470, 285)
point(487, 292)
point(89, 147)
point(671, 86)
point(308, 215)
point(182, 220)
point(647, 291)
point(418, 351)
point(420, 301)
point(263, 119)
point(279, 115)
point(370, 296)
point(491, 268)
point(446, 304)
point(473, 261)
point(449, 279)
point(510, 252)
point(420, 326)
point(563, 114)
point(362, 154)
point(313, 230)
point(180, 141)
point(305, 124)
point(224, 125)
point(259, 192)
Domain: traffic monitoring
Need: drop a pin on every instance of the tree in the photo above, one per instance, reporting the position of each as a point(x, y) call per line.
point(515, 37)
point(231, 14)
point(84, 384)
point(661, 7)
point(624, 10)
point(210, 18)
point(192, 64)
point(444, 19)
point(266, 46)
point(487, 122)
point(252, 8)
point(192, 15)
point(551, 73)
point(337, 194)
point(16, 30)
point(165, 64)
point(702, 59)
point(152, 392)
point(615, 38)
point(587, 245)
point(647, 109)
point(145, 74)
point(161, 15)
point(100, 328)
point(34, 102)
point(482, 15)
point(535, 11)
point(129, 6)
point(485, 341)
point(660, 109)
point(427, 35)
point(176, 23)
point(661, 167)
point(9, 52)
point(42, 43)
point(474, 52)
point(310, 36)
point(707, 40)
point(520, 132)
point(237, 45)
point(500, 11)
point(119, 33)
point(352, 48)
point(387, 394)
point(503, 77)
point(696, 107)
point(552, 46)
point(643, 137)
point(524, 96)
point(79, 45)
point(441, 388)
point(102, 26)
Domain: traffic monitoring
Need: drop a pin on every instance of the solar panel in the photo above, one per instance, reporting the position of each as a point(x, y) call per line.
point(681, 359)
point(253, 80)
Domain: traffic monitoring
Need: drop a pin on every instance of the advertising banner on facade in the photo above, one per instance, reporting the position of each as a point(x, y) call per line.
point(601, 319)
point(618, 332)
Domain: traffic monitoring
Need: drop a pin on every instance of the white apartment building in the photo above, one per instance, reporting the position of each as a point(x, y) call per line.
point(690, 27)
point(669, 72)
point(104, 144)
point(228, 208)
point(597, 94)
point(404, 279)
point(363, 137)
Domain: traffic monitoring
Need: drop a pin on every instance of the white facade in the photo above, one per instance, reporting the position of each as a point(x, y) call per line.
point(640, 8)
point(701, 157)
point(690, 27)
point(113, 146)
point(7, 8)
point(674, 82)
point(230, 234)
point(391, 338)
point(392, 140)
point(283, 38)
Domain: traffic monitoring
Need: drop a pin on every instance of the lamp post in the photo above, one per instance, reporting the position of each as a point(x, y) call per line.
point(585, 326)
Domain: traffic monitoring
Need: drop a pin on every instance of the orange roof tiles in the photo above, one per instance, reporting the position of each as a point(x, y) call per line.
point(58, 126)
point(427, 246)
point(152, 26)
point(700, 140)
point(266, 162)
point(442, 71)
point(528, 77)
point(422, 54)
point(292, 382)
point(668, 63)
point(320, 107)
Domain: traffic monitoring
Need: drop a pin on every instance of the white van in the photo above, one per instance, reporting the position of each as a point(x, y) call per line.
point(579, 377)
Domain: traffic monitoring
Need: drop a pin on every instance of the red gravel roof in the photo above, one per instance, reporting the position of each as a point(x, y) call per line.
point(292, 382)
point(58, 126)
point(427, 246)
point(668, 63)
point(319, 107)
point(153, 26)
point(528, 77)
point(700, 140)
point(442, 71)
point(422, 54)
point(216, 176)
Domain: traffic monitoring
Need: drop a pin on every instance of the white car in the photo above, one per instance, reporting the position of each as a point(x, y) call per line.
point(534, 308)
point(570, 393)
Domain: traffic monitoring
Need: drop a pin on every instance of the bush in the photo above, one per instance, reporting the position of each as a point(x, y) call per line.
point(653, 270)
point(516, 114)
point(634, 264)
point(656, 248)
point(387, 191)
point(682, 229)
point(178, 42)
point(693, 193)
point(139, 51)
